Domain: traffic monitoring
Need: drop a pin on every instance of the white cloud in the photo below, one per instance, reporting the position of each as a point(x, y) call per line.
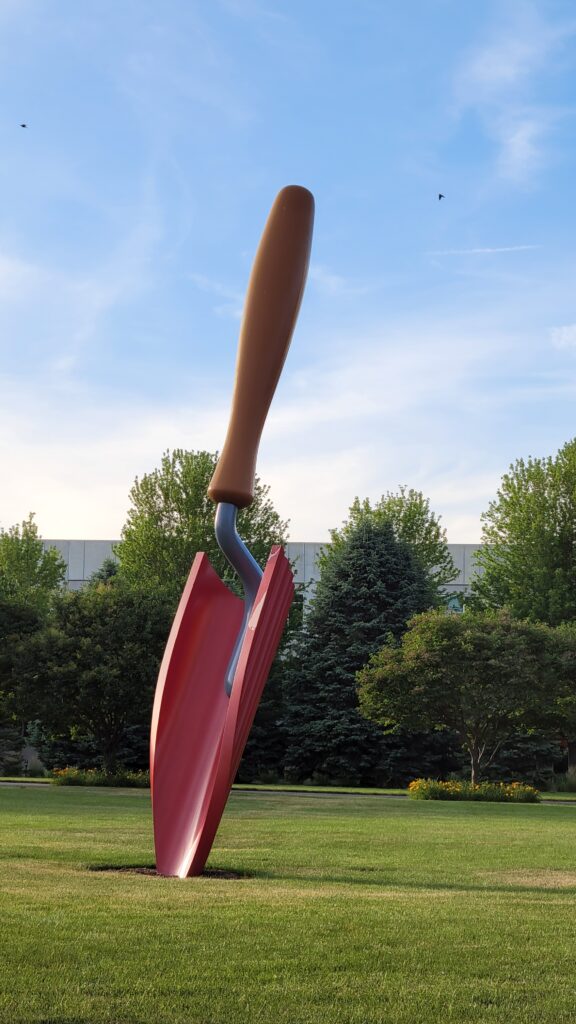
point(332, 284)
point(314, 492)
point(234, 303)
point(170, 70)
point(495, 81)
point(505, 63)
point(363, 426)
point(381, 373)
point(73, 462)
point(523, 44)
point(410, 404)
point(487, 250)
point(17, 278)
point(563, 337)
point(521, 140)
point(9, 8)
point(326, 281)
point(56, 313)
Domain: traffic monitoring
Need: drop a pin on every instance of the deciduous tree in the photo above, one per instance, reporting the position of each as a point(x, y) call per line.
point(172, 518)
point(29, 573)
point(90, 677)
point(528, 558)
point(484, 675)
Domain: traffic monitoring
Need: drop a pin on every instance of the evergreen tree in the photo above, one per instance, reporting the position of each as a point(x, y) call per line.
point(409, 754)
point(266, 747)
point(413, 522)
point(370, 585)
point(107, 573)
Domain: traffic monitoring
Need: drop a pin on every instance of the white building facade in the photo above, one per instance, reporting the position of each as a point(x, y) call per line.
point(84, 557)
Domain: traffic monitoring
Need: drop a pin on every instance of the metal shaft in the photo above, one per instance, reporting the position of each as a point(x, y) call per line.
point(250, 573)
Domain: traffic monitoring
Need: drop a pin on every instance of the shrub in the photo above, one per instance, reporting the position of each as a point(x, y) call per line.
point(97, 777)
point(565, 783)
point(502, 792)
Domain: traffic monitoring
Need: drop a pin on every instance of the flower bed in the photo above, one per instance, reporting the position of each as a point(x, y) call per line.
point(502, 792)
point(96, 777)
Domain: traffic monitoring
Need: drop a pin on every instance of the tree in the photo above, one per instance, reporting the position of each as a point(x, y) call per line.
point(105, 574)
point(265, 749)
point(484, 675)
point(408, 512)
point(90, 677)
point(528, 558)
point(560, 715)
point(370, 585)
point(29, 573)
point(533, 756)
point(18, 623)
point(408, 754)
point(172, 518)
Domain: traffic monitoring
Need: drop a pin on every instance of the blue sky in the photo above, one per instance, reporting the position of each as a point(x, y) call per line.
point(437, 339)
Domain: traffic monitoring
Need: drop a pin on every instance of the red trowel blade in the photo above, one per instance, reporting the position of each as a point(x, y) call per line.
point(198, 733)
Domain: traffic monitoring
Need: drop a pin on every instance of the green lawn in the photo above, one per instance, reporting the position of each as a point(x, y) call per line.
point(364, 911)
point(289, 788)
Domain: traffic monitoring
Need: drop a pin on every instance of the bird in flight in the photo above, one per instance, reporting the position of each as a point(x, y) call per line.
point(23, 125)
point(440, 196)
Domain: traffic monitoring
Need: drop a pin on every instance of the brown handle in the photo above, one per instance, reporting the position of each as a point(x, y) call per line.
point(270, 311)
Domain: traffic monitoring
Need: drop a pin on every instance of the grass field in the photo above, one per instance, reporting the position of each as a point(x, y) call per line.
point(289, 788)
point(348, 911)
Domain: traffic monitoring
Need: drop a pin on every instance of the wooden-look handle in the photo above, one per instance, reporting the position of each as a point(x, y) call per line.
point(270, 311)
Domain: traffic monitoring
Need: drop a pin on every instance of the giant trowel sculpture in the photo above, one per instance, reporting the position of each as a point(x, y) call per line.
point(220, 648)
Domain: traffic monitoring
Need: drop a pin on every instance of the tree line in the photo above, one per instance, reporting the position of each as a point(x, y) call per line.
point(376, 680)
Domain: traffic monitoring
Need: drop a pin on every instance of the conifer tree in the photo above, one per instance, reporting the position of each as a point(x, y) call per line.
point(370, 585)
point(413, 522)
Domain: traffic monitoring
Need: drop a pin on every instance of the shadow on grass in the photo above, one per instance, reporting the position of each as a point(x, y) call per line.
point(365, 877)
point(150, 870)
point(398, 884)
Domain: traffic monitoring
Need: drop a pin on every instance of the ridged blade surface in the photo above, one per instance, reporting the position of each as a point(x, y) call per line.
point(198, 733)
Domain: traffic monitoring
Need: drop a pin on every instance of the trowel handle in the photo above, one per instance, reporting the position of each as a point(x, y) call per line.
point(270, 311)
